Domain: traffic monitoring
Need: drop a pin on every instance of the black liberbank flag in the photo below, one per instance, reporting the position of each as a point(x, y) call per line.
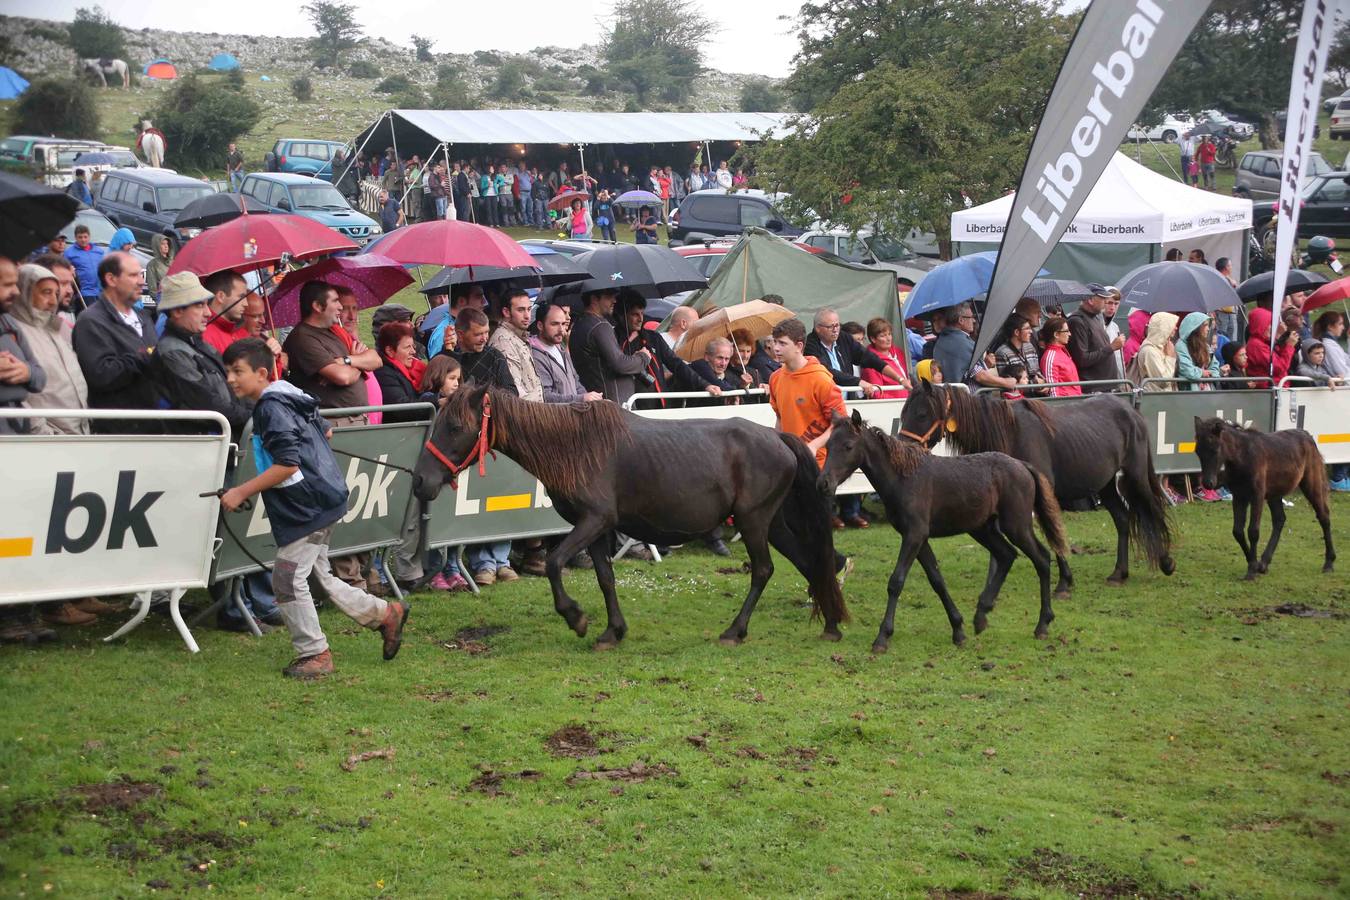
point(1118, 55)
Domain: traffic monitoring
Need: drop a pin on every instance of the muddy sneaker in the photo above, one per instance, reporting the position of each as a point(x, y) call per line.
point(534, 563)
point(1209, 496)
point(506, 573)
point(307, 668)
point(1342, 485)
point(485, 577)
point(845, 571)
point(457, 583)
point(391, 629)
point(440, 583)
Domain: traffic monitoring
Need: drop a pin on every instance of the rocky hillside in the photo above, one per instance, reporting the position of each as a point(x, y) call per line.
point(555, 76)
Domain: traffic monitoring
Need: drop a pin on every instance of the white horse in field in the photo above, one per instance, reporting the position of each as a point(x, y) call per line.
point(151, 143)
point(117, 68)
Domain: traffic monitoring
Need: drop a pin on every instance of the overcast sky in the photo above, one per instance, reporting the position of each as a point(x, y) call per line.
point(751, 39)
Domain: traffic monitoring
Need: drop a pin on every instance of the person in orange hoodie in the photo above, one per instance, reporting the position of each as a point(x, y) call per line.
point(802, 392)
point(1259, 359)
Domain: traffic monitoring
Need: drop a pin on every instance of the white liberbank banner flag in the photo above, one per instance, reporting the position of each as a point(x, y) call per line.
point(1118, 55)
point(1305, 90)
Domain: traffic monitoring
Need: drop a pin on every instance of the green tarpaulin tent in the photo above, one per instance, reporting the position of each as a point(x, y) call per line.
point(763, 263)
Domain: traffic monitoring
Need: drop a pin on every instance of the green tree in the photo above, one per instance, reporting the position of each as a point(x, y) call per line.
point(302, 88)
point(761, 96)
point(199, 118)
point(893, 150)
point(338, 32)
point(655, 47)
point(1239, 58)
point(423, 47)
point(94, 35)
point(60, 106)
point(510, 83)
point(363, 68)
point(394, 84)
point(452, 91)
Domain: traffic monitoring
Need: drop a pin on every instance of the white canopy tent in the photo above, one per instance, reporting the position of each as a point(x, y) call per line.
point(539, 126)
point(1132, 216)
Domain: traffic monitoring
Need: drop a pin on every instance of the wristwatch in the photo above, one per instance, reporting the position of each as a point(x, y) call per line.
point(346, 360)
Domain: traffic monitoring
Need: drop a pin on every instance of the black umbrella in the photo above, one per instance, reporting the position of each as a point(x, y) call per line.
point(554, 268)
point(1057, 291)
point(1263, 284)
point(30, 214)
point(1177, 287)
point(650, 269)
point(217, 209)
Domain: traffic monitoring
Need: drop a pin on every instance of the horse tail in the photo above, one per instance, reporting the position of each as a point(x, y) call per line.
point(1314, 470)
point(807, 513)
point(1150, 525)
point(1048, 512)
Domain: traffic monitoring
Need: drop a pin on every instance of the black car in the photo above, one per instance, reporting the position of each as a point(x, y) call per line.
point(705, 215)
point(148, 200)
point(1326, 207)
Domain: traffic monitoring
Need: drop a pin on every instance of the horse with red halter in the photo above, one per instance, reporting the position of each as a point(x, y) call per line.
point(609, 470)
point(989, 496)
point(1094, 446)
point(1263, 468)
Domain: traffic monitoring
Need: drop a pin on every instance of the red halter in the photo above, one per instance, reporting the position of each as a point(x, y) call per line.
point(479, 453)
point(937, 423)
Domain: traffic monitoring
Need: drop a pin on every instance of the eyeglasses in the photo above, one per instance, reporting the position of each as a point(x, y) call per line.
point(1063, 331)
point(833, 327)
point(966, 318)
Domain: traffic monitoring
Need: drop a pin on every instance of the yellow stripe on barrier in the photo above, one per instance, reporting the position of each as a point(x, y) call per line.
point(507, 502)
point(1333, 439)
point(14, 547)
point(1185, 446)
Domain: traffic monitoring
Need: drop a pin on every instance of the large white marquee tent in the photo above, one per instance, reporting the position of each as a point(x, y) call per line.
point(1132, 216)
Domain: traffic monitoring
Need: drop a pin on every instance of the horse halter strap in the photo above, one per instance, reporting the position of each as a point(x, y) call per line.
point(922, 439)
point(479, 453)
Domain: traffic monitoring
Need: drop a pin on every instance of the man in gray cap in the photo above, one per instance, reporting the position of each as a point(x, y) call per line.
point(190, 370)
point(1092, 349)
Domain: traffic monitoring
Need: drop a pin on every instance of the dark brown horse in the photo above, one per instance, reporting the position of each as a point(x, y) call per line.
point(1263, 468)
point(1094, 446)
point(989, 496)
point(606, 469)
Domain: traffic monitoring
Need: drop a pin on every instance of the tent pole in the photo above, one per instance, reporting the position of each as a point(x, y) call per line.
point(745, 272)
point(351, 162)
point(581, 150)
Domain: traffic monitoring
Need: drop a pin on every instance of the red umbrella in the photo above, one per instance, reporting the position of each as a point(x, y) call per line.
point(447, 242)
point(251, 242)
point(1327, 294)
point(372, 278)
point(564, 200)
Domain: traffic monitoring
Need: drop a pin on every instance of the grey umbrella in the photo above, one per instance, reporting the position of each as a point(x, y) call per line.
point(1057, 291)
point(1177, 287)
point(1298, 280)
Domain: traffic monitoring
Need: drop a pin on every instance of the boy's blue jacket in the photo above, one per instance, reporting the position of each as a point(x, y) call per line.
point(287, 429)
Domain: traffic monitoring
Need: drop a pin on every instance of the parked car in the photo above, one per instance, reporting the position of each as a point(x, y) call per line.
point(1325, 210)
point(1169, 129)
point(873, 250)
point(101, 231)
point(566, 248)
point(1340, 120)
point(1281, 116)
point(147, 200)
point(52, 160)
point(705, 215)
point(303, 156)
point(1330, 102)
point(1216, 122)
point(312, 198)
point(706, 256)
point(1258, 175)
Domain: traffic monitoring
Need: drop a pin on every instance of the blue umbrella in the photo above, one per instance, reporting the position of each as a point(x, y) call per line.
point(637, 198)
point(957, 281)
point(95, 158)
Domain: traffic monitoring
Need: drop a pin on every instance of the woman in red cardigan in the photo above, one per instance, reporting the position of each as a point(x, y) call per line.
point(1056, 363)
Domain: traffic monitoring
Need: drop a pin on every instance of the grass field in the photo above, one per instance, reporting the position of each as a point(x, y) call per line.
point(1176, 737)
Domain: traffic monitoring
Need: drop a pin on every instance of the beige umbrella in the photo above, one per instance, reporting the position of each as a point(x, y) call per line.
point(756, 317)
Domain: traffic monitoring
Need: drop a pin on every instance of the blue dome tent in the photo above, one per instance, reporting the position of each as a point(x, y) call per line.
point(12, 84)
point(223, 62)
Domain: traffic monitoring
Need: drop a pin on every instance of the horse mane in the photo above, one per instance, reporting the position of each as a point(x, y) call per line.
point(564, 445)
point(987, 423)
point(904, 456)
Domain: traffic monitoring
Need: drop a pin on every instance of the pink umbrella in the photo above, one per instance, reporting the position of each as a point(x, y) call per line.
point(373, 278)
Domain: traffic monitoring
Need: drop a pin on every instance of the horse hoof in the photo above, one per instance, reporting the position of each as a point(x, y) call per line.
point(1064, 595)
point(1263, 568)
point(1327, 568)
point(879, 649)
point(581, 625)
point(959, 638)
point(605, 644)
point(726, 641)
point(1250, 576)
point(981, 623)
point(832, 636)
point(1042, 634)
point(1116, 580)
point(1168, 565)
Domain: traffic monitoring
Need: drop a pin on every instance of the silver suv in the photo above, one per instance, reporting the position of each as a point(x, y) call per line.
point(1258, 175)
